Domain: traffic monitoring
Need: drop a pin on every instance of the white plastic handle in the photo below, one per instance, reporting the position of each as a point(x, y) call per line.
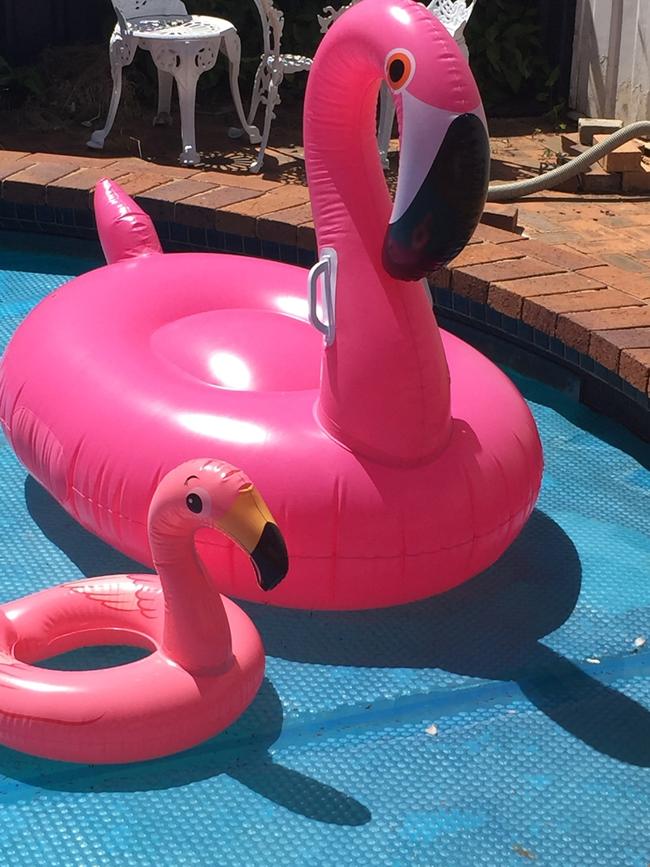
point(325, 267)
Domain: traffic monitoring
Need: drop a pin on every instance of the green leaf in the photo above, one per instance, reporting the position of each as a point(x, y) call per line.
point(494, 54)
point(513, 77)
point(553, 77)
point(492, 32)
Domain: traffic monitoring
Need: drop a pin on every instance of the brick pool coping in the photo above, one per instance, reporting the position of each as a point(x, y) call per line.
point(573, 307)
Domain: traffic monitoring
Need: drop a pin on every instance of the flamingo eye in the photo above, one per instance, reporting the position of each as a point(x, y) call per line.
point(198, 501)
point(400, 67)
point(194, 503)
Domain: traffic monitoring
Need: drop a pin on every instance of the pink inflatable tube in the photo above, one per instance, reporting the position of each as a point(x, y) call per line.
point(207, 660)
point(398, 460)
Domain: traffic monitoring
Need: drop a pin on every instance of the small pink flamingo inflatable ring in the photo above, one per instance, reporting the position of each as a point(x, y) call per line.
point(207, 659)
point(399, 460)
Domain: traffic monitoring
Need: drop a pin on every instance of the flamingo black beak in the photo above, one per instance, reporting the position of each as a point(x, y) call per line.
point(270, 557)
point(440, 198)
point(250, 524)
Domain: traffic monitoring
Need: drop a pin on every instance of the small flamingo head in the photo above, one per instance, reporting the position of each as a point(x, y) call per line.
point(207, 493)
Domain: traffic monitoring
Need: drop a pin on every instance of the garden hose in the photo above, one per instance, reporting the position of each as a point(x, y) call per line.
point(517, 189)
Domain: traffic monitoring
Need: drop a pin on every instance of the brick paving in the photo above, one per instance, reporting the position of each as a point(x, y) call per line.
point(577, 268)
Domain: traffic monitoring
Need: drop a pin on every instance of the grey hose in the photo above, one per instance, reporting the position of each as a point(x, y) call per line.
point(508, 192)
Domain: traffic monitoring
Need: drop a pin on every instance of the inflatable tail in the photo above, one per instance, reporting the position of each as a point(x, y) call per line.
point(125, 231)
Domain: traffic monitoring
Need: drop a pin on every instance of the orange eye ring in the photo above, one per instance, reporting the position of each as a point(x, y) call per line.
point(400, 68)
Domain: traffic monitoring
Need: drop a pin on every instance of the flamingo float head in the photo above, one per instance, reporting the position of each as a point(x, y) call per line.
point(444, 145)
point(206, 493)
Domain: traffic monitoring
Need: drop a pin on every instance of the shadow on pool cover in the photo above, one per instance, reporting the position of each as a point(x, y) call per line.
point(242, 752)
point(488, 627)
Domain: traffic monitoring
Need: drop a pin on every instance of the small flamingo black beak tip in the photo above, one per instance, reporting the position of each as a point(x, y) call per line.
point(270, 557)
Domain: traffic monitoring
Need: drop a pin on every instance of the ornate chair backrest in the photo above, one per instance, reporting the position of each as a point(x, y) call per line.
point(127, 9)
point(272, 20)
point(454, 14)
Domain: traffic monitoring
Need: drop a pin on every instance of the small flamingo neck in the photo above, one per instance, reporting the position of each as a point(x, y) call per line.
point(385, 383)
point(196, 633)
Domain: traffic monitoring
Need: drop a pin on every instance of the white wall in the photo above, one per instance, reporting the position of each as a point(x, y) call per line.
point(610, 75)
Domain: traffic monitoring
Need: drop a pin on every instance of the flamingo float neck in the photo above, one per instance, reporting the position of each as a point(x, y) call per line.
point(385, 383)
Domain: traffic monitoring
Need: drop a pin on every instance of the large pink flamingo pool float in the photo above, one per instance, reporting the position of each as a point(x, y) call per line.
point(207, 660)
point(398, 460)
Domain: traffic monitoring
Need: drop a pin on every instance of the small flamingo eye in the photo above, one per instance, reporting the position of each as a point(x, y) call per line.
point(400, 67)
point(198, 501)
point(194, 503)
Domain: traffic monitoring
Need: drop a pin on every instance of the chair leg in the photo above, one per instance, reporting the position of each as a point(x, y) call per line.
point(386, 117)
point(232, 50)
point(272, 99)
point(258, 90)
point(163, 115)
point(121, 52)
point(186, 75)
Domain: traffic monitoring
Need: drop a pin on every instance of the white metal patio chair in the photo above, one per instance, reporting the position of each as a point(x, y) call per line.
point(182, 46)
point(454, 14)
point(273, 67)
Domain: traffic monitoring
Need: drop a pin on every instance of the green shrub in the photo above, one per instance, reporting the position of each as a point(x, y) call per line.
point(17, 83)
point(507, 54)
point(504, 36)
point(508, 57)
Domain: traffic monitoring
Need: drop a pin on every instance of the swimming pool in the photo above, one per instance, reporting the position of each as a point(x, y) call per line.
point(504, 722)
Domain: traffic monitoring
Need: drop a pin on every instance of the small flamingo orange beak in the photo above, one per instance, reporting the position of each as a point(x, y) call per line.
point(251, 525)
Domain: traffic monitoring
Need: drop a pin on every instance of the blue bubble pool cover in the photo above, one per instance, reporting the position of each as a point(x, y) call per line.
point(504, 723)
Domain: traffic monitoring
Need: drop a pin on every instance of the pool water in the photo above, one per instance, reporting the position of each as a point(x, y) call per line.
point(504, 723)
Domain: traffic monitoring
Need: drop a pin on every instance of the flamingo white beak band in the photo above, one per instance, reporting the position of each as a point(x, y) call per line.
point(441, 189)
point(250, 524)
